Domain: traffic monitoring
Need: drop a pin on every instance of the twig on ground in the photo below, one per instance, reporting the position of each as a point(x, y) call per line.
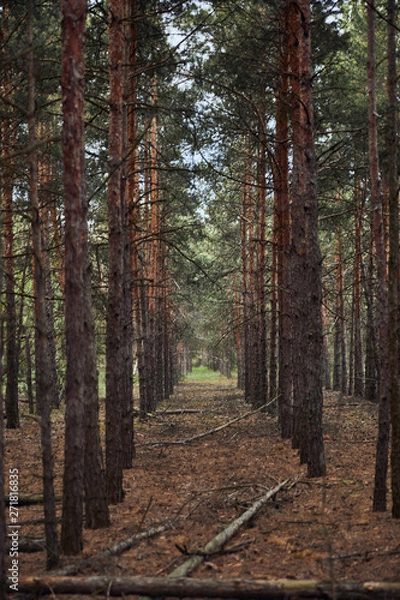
point(115, 550)
point(209, 432)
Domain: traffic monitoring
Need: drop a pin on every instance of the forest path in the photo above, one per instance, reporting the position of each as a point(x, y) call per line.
point(320, 528)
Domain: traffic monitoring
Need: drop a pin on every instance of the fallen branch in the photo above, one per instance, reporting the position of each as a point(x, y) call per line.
point(217, 543)
point(115, 550)
point(210, 588)
point(29, 499)
point(121, 547)
point(210, 431)
point(178, 411)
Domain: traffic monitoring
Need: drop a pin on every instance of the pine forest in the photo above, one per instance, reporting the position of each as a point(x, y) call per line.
point(199, 299)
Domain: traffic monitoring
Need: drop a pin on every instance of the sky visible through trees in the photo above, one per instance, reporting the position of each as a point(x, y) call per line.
point(196, 183)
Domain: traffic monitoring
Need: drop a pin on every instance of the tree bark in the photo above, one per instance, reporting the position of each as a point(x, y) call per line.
point(340, 362)
point(72, 87)
point(11, 396)
point(189, 587)
point(128, 447)
point(43, 180)
point(393, 318)
point(245, 224)
point(43, 375)
point(358, 375)
point(326, 359)
point(371, 352)
point(262, 367)
point(239, 342)
point(96, 506)
point(282, 211)
point(115, 308)
point(306, 283)
point(273, 327)
point(382, 444)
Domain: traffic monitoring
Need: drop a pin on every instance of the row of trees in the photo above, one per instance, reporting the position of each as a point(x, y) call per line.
point(86, 179)
point(257, 111)
point(167, 202)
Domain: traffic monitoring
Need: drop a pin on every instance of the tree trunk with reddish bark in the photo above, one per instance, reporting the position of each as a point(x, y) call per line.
point(358, 375)
point(11, 371)
point(128, 447)
point(72, 87)
point(114, 336)
point(44, 388)
point(261, 393)
point(3, 521)
point(340, 361)
point(393, 318)
point(282, 212)
point(382, 445)
point(306, 284)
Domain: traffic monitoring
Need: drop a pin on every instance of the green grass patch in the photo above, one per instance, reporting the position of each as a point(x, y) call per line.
point(205, 375)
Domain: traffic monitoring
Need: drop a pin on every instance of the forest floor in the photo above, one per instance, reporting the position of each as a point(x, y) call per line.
point(319, 528)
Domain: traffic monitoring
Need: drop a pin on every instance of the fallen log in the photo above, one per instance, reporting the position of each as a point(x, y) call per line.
point(29, 499)
point(209, 432)
point(178, 411)
point(121, 547)
point(210, 588)
point(217, 543)
point(115, 550)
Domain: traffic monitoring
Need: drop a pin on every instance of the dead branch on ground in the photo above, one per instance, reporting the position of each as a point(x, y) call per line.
point(115, 550)
point(210, 588)
point(217, 543)
point(209, 432)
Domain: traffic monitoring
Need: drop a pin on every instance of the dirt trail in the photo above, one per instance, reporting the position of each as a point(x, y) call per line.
point(321, 528)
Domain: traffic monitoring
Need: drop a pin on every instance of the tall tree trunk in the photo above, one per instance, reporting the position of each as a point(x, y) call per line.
point(96, 506)
point(72, 87)
point(282, 211)
point(155, 256)
point(326, 359)
point(273, 372)
point(29, 384)
point(139, 298)
point(146, 339)
point(239, 331)
point(11, 397)
point(128, 448)
point(306, 274)
point(298, 238)
point(371, 352)
point(44, 176)
point(382, 446)
point(358, 376)
point(246, 251)
point(44, 387)
point(262, 371)
point(115, 310)
point(340, 362)
point(393, 320)
point(3, 522)
point(60, 271)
